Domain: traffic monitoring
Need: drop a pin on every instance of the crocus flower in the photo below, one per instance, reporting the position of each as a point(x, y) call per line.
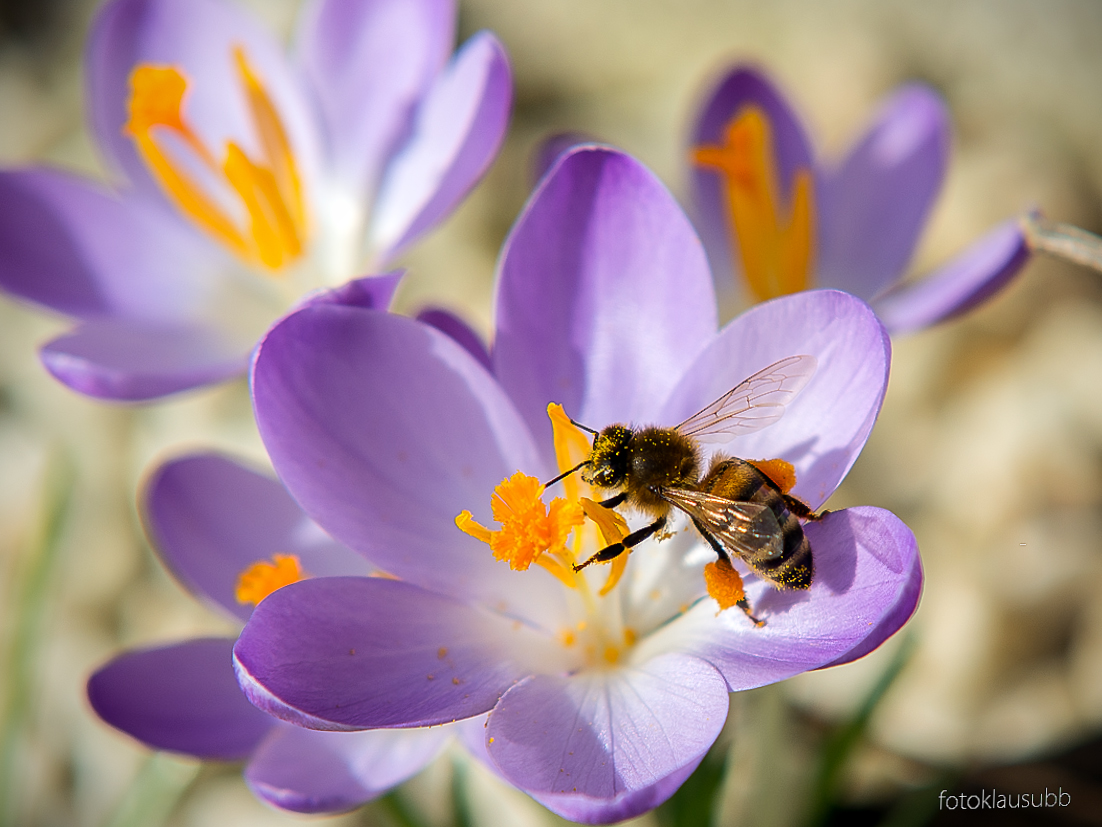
point(601, 700)
point(771, 213)
point(230, 535)
point(245, 177)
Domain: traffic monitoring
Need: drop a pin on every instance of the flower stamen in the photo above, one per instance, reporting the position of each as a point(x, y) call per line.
point(266, 220)
point(572, 447)
point(613, 528)
point(776, 250)
point(262, 578)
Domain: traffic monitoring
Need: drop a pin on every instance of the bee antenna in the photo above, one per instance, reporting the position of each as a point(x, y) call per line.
point(583, 427)
point(566, 474)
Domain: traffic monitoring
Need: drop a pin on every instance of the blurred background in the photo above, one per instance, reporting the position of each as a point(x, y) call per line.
point(989, 445)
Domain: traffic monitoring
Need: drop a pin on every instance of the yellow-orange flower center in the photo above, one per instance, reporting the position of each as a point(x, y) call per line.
point(262, 578)
point(551, 536)
point(528, 527)
point(776, 250)
point(253, 205)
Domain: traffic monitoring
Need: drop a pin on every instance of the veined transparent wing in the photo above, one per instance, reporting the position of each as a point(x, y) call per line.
point(748, 530)
point(752, 404)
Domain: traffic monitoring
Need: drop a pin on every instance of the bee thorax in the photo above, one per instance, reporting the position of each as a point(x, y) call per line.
point(661, 457)
point(648, 501)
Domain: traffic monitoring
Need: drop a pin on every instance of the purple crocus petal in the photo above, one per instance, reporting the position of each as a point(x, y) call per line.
point(873, 207)
point(199, 37)
point(602, 745)
point(586, 810)
point(129, 360)
point(604, 296)
point(48, 221)
point(68, 244)
point(548, 150)
point(741, 86)
point(307, 771)
point(824, 428)
point(457, 132)
point(472, 733)
point(970, 278)
point(893, 532)
point(368, 292)
point(181, 698)
point(447, 322)
point(864, 573)
point(342, 653)
point(211, 518)
point(369, 64)
point(384, 430)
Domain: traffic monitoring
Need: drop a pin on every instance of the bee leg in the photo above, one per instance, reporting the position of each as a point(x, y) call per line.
point(800, 508)
point(629, 542)
point(712, 541)
point(743, 603)
point(612, 502)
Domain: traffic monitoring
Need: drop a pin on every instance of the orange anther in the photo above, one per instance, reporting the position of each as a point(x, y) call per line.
point(262, 578)
point(775, 249)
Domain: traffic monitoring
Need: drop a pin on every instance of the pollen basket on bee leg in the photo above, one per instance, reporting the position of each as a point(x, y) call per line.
point(724, 584)
point(782, 473)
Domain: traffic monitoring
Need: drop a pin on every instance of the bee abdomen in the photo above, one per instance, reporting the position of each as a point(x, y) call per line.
point(737, 479)
point(794, 568)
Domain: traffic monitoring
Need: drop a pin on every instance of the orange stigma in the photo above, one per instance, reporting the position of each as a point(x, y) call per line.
point(528, 527)
point(550, 536)
point(262, 578)
point(776, 250)
point(253, 206)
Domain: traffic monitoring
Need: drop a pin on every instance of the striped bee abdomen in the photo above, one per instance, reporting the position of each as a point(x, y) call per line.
point(738, 480)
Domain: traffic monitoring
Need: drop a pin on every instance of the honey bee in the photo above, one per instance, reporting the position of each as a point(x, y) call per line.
point(736, 506)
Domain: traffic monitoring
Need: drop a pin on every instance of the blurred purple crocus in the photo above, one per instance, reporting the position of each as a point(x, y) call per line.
point(776, 218)
point(210, 520)
point(384, 430)
point(244, 178)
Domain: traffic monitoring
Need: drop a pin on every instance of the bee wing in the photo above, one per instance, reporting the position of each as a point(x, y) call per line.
point(749, 530)
point(752, 404)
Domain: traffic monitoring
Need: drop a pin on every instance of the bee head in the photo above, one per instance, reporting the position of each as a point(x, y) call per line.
point(609, 460)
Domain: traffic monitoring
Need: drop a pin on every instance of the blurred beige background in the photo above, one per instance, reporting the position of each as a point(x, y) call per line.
point(989, 446)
